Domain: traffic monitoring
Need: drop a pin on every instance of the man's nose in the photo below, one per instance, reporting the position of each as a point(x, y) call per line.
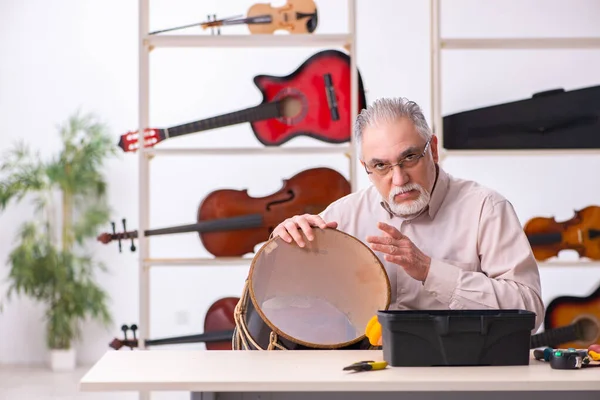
point(399, 176)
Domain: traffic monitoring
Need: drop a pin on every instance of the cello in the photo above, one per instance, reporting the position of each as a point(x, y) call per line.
point(219, 324)
point(231, 223)
point(581, 233)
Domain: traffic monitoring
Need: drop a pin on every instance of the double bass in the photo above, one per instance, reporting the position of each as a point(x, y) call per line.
point(231, 223)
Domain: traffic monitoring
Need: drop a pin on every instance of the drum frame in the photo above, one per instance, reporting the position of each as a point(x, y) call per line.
point(278, 339)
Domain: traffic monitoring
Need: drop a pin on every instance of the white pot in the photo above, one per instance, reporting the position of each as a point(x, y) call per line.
point(62, 360)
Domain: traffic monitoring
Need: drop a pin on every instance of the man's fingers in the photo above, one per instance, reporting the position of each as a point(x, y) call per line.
point(282, 233)
point(292, 229)
point(397, 259)
point(305, 226)
point(381, 239)
point(390, 230)
point(316, 220)
point(388, 249)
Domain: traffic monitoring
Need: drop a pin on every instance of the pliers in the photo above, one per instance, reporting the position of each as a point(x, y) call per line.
point(366, 366)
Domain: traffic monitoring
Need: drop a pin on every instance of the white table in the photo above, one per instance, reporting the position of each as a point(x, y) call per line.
point(318, 374)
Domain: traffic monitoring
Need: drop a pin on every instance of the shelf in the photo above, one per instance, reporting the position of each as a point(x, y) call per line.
point(208, 261)
point(248, 151)
point(522, 43)
point(573, 263)
point(283, 40)
point(522, 152)
point(245, 262)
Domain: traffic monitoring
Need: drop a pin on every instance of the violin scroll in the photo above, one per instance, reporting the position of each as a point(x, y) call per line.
point(131, 343)
point(109, 237)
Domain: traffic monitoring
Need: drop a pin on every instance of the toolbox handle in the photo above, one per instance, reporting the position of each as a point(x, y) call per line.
point(442, 325)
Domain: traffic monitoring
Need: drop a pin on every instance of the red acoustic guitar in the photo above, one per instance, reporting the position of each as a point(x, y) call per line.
point(313, 101)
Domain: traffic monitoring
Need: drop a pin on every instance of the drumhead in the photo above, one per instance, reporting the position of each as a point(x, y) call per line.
point(322, 295)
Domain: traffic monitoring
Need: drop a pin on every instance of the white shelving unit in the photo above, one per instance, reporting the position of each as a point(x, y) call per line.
point(438, 43)
point(149, 43)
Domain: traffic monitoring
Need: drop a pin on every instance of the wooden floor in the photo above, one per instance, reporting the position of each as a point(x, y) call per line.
point(39, 383)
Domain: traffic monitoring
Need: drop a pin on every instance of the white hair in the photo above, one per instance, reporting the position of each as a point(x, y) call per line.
point(387, 110)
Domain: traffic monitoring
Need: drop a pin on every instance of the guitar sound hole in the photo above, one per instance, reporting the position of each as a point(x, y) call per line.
point(293, 106)
point(590, 329)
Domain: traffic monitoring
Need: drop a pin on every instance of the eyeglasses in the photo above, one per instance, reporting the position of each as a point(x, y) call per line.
point(409, 161)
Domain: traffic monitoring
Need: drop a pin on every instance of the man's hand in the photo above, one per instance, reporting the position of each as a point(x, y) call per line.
point(400, 250)
point(288, 229)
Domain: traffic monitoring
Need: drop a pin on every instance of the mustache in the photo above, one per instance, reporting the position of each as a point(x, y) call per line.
point(405, 188)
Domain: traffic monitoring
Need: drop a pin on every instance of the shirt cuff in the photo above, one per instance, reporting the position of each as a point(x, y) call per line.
point(441, 280)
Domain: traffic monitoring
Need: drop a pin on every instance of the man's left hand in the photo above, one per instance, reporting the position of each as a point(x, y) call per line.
point(400, 250)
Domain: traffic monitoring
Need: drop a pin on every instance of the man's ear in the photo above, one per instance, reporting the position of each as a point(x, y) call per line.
point(434, 148)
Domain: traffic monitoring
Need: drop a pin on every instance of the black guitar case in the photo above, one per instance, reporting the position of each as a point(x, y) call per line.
point(554, 119)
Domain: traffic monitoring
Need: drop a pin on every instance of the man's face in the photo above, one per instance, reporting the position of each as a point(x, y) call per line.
point(407, 189)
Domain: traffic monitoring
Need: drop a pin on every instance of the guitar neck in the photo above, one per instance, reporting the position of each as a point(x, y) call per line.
point(554, 337)
point(217, 336)
point(222, 224)
point(258, 113)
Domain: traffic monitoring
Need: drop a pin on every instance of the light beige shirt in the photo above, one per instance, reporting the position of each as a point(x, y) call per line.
point(480, 255)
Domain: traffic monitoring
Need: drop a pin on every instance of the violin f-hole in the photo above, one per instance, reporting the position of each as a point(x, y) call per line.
point(291, 197)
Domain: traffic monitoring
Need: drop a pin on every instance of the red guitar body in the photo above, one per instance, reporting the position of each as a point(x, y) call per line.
point(309, 85)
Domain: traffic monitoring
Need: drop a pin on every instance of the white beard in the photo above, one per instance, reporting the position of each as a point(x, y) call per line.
point(408, 207)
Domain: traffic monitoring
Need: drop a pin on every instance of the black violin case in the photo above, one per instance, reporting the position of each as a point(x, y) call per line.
point(554, 119)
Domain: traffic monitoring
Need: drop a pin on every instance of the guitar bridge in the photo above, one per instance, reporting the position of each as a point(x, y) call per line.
point(331, 98)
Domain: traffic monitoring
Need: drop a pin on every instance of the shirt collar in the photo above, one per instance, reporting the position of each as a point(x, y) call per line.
point(440, 188)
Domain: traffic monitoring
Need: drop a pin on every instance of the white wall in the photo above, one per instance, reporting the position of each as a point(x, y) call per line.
point(61, 55)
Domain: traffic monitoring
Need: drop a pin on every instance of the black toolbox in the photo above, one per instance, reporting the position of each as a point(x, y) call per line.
point(456, 337)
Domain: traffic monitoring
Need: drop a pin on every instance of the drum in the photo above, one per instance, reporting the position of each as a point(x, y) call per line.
point(318, 297)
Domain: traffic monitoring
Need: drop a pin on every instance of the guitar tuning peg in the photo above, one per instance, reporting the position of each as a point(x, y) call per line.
point(218, 27)
point(133, 329)
point(212, 29)
point(132, 247)
point(115, 235)
point(124, 328)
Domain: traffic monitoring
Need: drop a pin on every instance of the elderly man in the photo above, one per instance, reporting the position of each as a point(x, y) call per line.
point(446, 243)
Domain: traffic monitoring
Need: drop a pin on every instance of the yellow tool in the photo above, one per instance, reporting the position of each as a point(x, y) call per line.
point(373, 331)
point(366, 366)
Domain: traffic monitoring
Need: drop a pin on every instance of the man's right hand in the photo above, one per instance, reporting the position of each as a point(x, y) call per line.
point(288, 229)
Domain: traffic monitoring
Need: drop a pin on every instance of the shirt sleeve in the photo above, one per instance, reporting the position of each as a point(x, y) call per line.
point(509, 276)
point(333, 212)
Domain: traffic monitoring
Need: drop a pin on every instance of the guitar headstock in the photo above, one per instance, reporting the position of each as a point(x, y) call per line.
point(131, 343)
point(109, 237)
point(129, 141)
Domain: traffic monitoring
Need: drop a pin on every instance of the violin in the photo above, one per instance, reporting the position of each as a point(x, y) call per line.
point(219, 324)
point(231, 222)
point(581, 233)
point(295, 16)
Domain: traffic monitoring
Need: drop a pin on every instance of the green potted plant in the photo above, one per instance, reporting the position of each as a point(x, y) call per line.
point(49, 262)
